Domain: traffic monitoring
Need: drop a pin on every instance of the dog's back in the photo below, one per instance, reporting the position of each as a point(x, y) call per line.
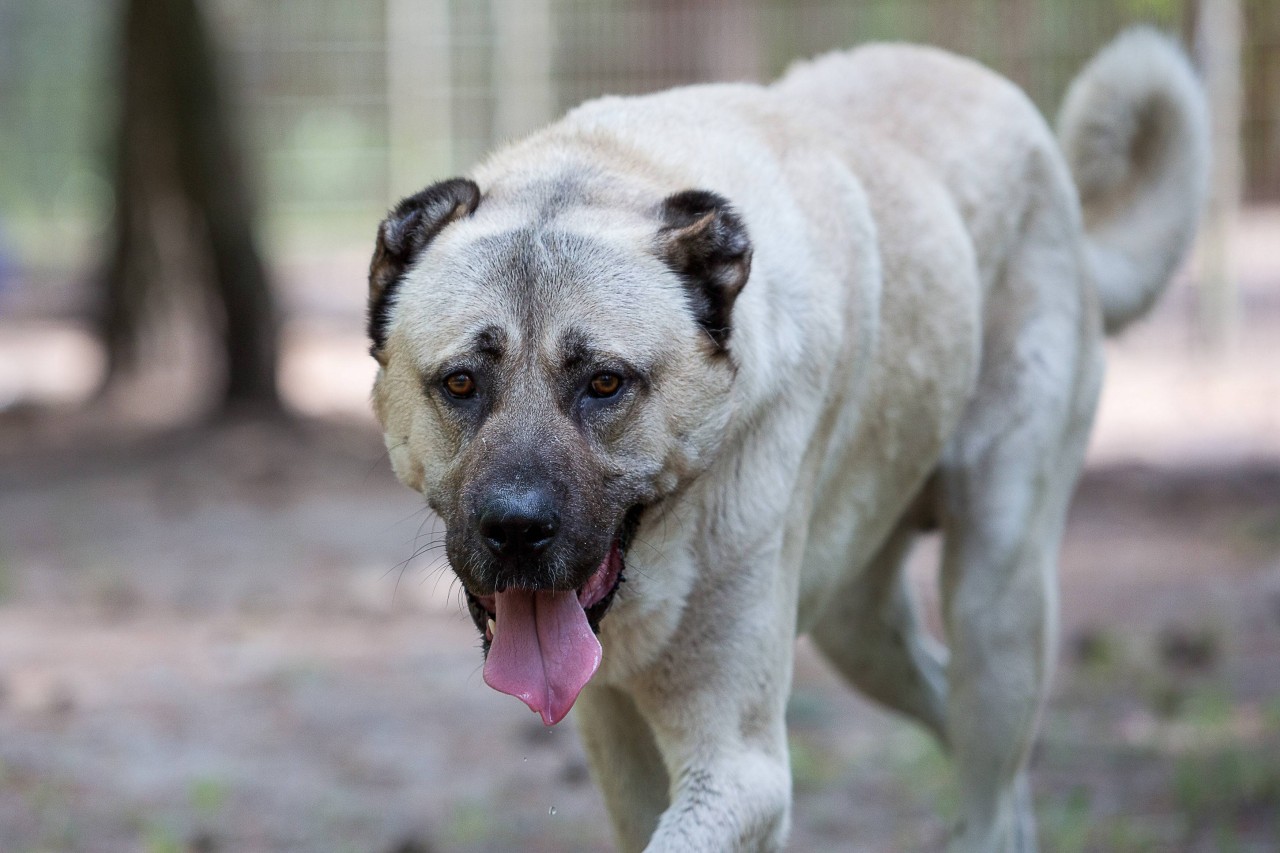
point(1132, 143)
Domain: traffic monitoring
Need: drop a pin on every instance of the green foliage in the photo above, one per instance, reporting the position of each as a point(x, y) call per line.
point(470, 823)
point(812, 767)
point(158, 838)
point(207, 796)
point(1097, 650)
point(1218, 786)
point(1155, 11)
point(922, 770)
point(807, 709)
point(6, 580)
point(1258, 532)
point(1066, 825)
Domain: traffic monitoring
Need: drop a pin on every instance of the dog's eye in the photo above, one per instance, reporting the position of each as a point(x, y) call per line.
point(605, 384)
point(460, 384)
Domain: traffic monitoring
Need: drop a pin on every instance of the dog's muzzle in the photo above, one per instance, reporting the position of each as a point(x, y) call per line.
point(540, 643)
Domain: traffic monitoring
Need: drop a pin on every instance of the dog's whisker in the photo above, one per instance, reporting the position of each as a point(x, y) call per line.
point(405, 518)
point(417, 552)
point(660, 554)
point(382, 457)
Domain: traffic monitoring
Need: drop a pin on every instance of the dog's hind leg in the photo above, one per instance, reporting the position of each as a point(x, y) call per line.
point(871, 633)
point(625, 763)
point(1003, 490)
point(999, 604)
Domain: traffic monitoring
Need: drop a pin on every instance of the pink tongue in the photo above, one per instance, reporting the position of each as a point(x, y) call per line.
point(543, 650)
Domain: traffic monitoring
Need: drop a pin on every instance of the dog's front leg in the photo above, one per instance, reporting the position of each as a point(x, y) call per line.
point(625, 762)
point(739, 802)
point(716, 704)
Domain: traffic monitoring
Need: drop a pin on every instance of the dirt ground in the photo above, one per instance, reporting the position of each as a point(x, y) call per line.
point(241, 638)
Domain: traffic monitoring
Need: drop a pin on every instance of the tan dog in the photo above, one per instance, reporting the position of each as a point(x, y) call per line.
point(738, 345)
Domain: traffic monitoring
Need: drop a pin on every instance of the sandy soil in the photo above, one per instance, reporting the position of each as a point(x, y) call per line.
point(242, 637)
point(219, 638)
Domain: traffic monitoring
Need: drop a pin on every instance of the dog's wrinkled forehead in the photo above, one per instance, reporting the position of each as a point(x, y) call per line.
point(536, 290)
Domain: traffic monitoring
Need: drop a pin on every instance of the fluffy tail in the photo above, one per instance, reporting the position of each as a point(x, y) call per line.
point(1135, 131)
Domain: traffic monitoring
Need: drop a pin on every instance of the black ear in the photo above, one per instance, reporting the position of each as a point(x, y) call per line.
point(706, 243)
point(401, 238)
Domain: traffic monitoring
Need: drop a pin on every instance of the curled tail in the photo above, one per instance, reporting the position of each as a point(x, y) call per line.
point(1135, 130)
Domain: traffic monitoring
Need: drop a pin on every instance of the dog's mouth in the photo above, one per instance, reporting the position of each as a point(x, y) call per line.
point(541, 645)
point(594, 596)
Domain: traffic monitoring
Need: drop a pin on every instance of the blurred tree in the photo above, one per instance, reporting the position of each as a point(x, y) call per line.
point(175, 142)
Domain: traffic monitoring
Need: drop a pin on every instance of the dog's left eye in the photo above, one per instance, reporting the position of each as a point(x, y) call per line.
point(605, 385)
point(460, 385)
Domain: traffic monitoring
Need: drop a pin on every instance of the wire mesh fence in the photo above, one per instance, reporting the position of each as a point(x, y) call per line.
point(276, 559)
point(349, 104)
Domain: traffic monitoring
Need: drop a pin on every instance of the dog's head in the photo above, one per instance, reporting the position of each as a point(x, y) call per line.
point(550, 366)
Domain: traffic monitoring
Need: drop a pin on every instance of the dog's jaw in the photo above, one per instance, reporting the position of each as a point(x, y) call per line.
point(595, 596)
point(542, 650)
point(541, 645)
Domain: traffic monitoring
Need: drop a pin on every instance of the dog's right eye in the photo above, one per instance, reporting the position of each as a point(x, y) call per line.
point(605, 385)
point(460, 385)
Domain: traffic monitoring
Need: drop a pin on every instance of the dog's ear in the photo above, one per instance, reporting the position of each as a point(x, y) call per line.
point(706, 243)
point(401, 238)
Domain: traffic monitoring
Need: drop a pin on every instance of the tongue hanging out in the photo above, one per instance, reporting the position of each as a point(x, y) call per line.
point(543, 650)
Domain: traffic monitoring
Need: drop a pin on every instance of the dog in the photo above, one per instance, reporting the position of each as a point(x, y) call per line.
point(686, 374)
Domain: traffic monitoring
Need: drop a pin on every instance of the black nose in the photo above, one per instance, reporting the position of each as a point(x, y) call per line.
point(519, 524)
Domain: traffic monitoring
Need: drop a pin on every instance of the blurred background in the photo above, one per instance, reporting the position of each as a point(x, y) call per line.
point(223, 625)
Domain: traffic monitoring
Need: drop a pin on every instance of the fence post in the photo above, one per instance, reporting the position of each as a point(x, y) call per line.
point(419, 59)
point(1218, 40)
point(524, 95)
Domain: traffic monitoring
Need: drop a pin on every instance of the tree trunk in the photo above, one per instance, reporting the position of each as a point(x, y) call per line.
point(175, 139)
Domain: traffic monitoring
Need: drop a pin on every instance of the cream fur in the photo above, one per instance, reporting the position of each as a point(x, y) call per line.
point(919, 340)
point(1136, 135)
